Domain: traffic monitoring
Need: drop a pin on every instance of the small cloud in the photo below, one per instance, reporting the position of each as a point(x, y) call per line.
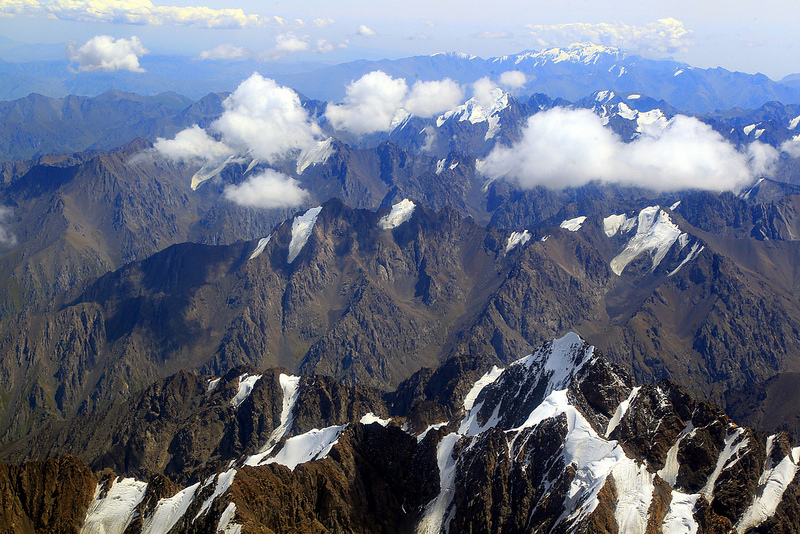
point(324, 46)
point(495, 35)
point(193, 144)
point(419, 37)
point(792, 146)
point(429, 23)
point(513, 79)
point(427, 99)
point(225, 52)
point(366, 31)
point(7, 237)
point(485, 92)
point(665, 36)
point(570, 147)
point(104, 53)
point(269, 189)
point(321, 23)
point(370, 104)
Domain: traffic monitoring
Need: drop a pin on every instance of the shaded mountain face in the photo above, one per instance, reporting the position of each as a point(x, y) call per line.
point(559, 441)
point(370, 297)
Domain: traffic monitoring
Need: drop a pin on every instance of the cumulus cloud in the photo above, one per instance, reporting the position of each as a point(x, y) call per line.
point(427, 99)
point(260, 118)
point(513, 79)
point(376, 101)
point(665, 36)
point(366, 31)
point(269, 189)
point(484, 91)
point(370, 104)
point(570, 147)
point(7, 237)
point(193, 144)
point(139, 12)
point(225, 52)
point(104, 53)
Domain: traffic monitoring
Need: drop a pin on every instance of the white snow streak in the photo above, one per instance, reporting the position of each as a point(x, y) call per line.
point(517, 238)
point(370, 418)
point(291, 389)
point(113, 513)
point(655, 232)
point(301, 231)
point(573, 225)
point(262, 244)
point(313, 445)
point(246, 384)
point(401, 212)
point(318, 153)
point(169, 511)
point(620, 412)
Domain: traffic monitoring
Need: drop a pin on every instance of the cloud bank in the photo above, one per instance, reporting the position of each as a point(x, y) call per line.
point(269, 189)
point(376, 101)
point(104, 53)
point(513, 79)
point(665, 36)
point(565, 147)
point(139, 12)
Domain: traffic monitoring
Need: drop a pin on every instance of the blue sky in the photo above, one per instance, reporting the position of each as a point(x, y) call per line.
point(748, 36)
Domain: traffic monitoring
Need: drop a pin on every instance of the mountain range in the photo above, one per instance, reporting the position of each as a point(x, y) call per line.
point(173, 359)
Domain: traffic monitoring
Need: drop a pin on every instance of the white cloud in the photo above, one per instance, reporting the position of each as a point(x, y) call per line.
point(483, 91)
point(261, 118)
point(269, 189)
point(665, 36)
point(513, 79)
point(570, 147)
point(7, 237)
point(366, 31)
point(376, 102)
point(370, 104)
point(225, 51)
point(139, 12)
point(792, 146)
point(427, 99)
point(265, 119)
point(104, 53)
point(321, 23)
point(193, 144)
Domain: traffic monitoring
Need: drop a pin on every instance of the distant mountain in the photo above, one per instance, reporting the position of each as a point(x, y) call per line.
point(561, 440)
point(571, 73)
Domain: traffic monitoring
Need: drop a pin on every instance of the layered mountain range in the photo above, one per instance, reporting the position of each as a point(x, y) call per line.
point(177, 358)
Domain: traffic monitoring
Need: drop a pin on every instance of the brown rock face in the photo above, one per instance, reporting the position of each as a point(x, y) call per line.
point(48, 496)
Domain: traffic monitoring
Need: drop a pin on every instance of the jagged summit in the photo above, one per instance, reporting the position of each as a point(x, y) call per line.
point(558, 441)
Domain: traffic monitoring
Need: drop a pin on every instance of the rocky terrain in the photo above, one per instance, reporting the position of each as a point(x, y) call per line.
point(558, 441)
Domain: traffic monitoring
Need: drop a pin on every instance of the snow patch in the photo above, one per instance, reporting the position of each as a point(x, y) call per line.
point(401, 212)
point(697, 248)
point(625, 112)
point(314, 155)
point(680, 516)
point(206, 172)
point(440, 166)
point(794, 122)
point(169, 511)
point(749, 128)
point(290, 385)
point(313, 445)
point(618, 223)
point(224, 481)
point(246, 384)
point(436, 426)
point(620, 412)
point(370, 418)
point(262, 244)
point(655, 232)
point(634, 97)
point(225, 526)
point(517, 238)
point(113, 513)
point(773, 483)
point(573, 225)
point(301, 231)
point(729, 456)
point(671, 465)
point(212, 384)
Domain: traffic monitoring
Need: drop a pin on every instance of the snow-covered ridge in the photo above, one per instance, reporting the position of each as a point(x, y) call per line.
point(474, 112)
point(584, 53)
point(262, 244)
point(302, 225)
point(401, 212)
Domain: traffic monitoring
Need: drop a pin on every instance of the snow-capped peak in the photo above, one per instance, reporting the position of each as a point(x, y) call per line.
point(584, 53)
point(476, 111)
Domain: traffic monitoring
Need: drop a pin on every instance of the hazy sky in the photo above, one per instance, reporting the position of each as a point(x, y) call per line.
point(749, 36)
